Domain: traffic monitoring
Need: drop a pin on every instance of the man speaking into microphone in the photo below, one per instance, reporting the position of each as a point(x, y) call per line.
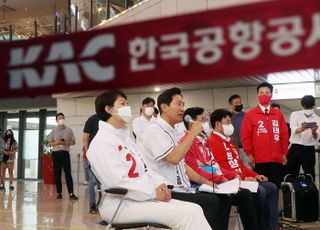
point(163, 154)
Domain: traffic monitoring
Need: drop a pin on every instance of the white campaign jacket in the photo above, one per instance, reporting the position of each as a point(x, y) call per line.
point(115, 160)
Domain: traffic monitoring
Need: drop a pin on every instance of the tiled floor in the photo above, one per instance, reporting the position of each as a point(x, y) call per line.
point(33, 205)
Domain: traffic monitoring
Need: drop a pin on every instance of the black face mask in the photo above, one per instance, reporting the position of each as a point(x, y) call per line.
point(8, 136)
point(238, 108)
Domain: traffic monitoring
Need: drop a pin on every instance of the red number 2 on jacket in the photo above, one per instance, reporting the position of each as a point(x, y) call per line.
point(132, 173)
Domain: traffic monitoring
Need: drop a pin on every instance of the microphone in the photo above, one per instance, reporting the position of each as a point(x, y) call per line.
point(189, 119)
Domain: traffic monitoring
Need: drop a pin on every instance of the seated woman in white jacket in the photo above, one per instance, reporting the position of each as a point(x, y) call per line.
point(116, 162)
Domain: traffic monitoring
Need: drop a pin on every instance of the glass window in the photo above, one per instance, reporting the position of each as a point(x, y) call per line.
point(31, 148)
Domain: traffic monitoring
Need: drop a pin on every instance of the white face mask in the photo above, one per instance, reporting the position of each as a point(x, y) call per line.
point(125, 113)
point(206, 128)
point(61, 122)
point(149, 111)
point(308, 112)
point(228, 130)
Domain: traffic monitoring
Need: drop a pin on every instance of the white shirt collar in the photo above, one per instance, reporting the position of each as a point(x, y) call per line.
point(146, 120)
point(165, 124)
point(222, 136)
point(263, 108)
point(106, 126)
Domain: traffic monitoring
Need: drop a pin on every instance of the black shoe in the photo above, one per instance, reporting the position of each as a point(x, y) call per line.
point(73, 197)
point(59, 196)
point(93, 209)
point(11, 187)
point(2, 187)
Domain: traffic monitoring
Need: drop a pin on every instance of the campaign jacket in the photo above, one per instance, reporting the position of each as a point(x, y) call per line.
point(200, 154)
point(265, 136)
point(227, 156)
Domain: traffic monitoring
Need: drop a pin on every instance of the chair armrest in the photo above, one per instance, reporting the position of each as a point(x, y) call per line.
point(120, 191)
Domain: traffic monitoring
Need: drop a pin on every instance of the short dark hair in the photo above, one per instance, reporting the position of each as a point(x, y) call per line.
point(107, 98)
point(265, 84)
point(193, 112)
point(218, 115)
point(308, 101)
point(148, 100)
point(156, 110)
point(234, 96)
point(273, 105)
point(166, 97)
point(59, 114)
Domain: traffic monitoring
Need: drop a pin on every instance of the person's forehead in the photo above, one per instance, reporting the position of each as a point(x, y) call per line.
point(264, 88)
point(177, 97)
point(149, 104)
point(236, 100)
point(60, 116)
point(121, 99)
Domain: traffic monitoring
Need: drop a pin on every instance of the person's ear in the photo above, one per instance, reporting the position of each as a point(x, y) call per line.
point(164, 107)
point(108, 109)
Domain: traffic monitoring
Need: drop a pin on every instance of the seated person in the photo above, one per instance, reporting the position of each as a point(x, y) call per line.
point(199, 156)
point(116, 162)
point(227, 156)
point(163, 154)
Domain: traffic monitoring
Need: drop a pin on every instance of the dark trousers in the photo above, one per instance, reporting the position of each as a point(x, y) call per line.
point(61, 159)
point(301, 155)
point(274, 171)
point(266, 202)
point(216, 208)
point(247, 210)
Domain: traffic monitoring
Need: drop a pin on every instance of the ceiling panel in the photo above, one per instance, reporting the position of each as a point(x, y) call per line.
point(29, 9)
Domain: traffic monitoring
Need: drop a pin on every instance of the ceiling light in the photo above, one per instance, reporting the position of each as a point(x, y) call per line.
point(157, 89)
point(306, 75)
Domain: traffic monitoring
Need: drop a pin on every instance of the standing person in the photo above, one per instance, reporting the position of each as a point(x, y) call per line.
point(305, 133)
point(1, 154)
point(90, 130)
point(227, 156)
point(277, 106)
point(115, 160)
point(264, 137)
point(146, 118)
point(163, 154)
point(236, 106)
point(60, 139)
point(10, 150)
point(200, 158)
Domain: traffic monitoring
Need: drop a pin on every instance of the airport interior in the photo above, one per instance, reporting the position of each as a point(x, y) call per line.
point(32, 203)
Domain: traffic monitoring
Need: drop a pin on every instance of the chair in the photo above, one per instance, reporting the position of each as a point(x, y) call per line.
point(120, 226)
point(234, 213)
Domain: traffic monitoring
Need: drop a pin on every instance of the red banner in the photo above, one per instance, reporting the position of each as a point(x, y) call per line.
point(252, 39)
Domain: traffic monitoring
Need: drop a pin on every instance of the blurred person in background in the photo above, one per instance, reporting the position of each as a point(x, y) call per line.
point(90, 130)
point(236, 107)
point(60, 139)
point(146, 118)
point(10, 150)
point(305, 133)
point(1, 153)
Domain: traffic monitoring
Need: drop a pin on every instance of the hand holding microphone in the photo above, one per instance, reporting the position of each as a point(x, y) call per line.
point(197, 126)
